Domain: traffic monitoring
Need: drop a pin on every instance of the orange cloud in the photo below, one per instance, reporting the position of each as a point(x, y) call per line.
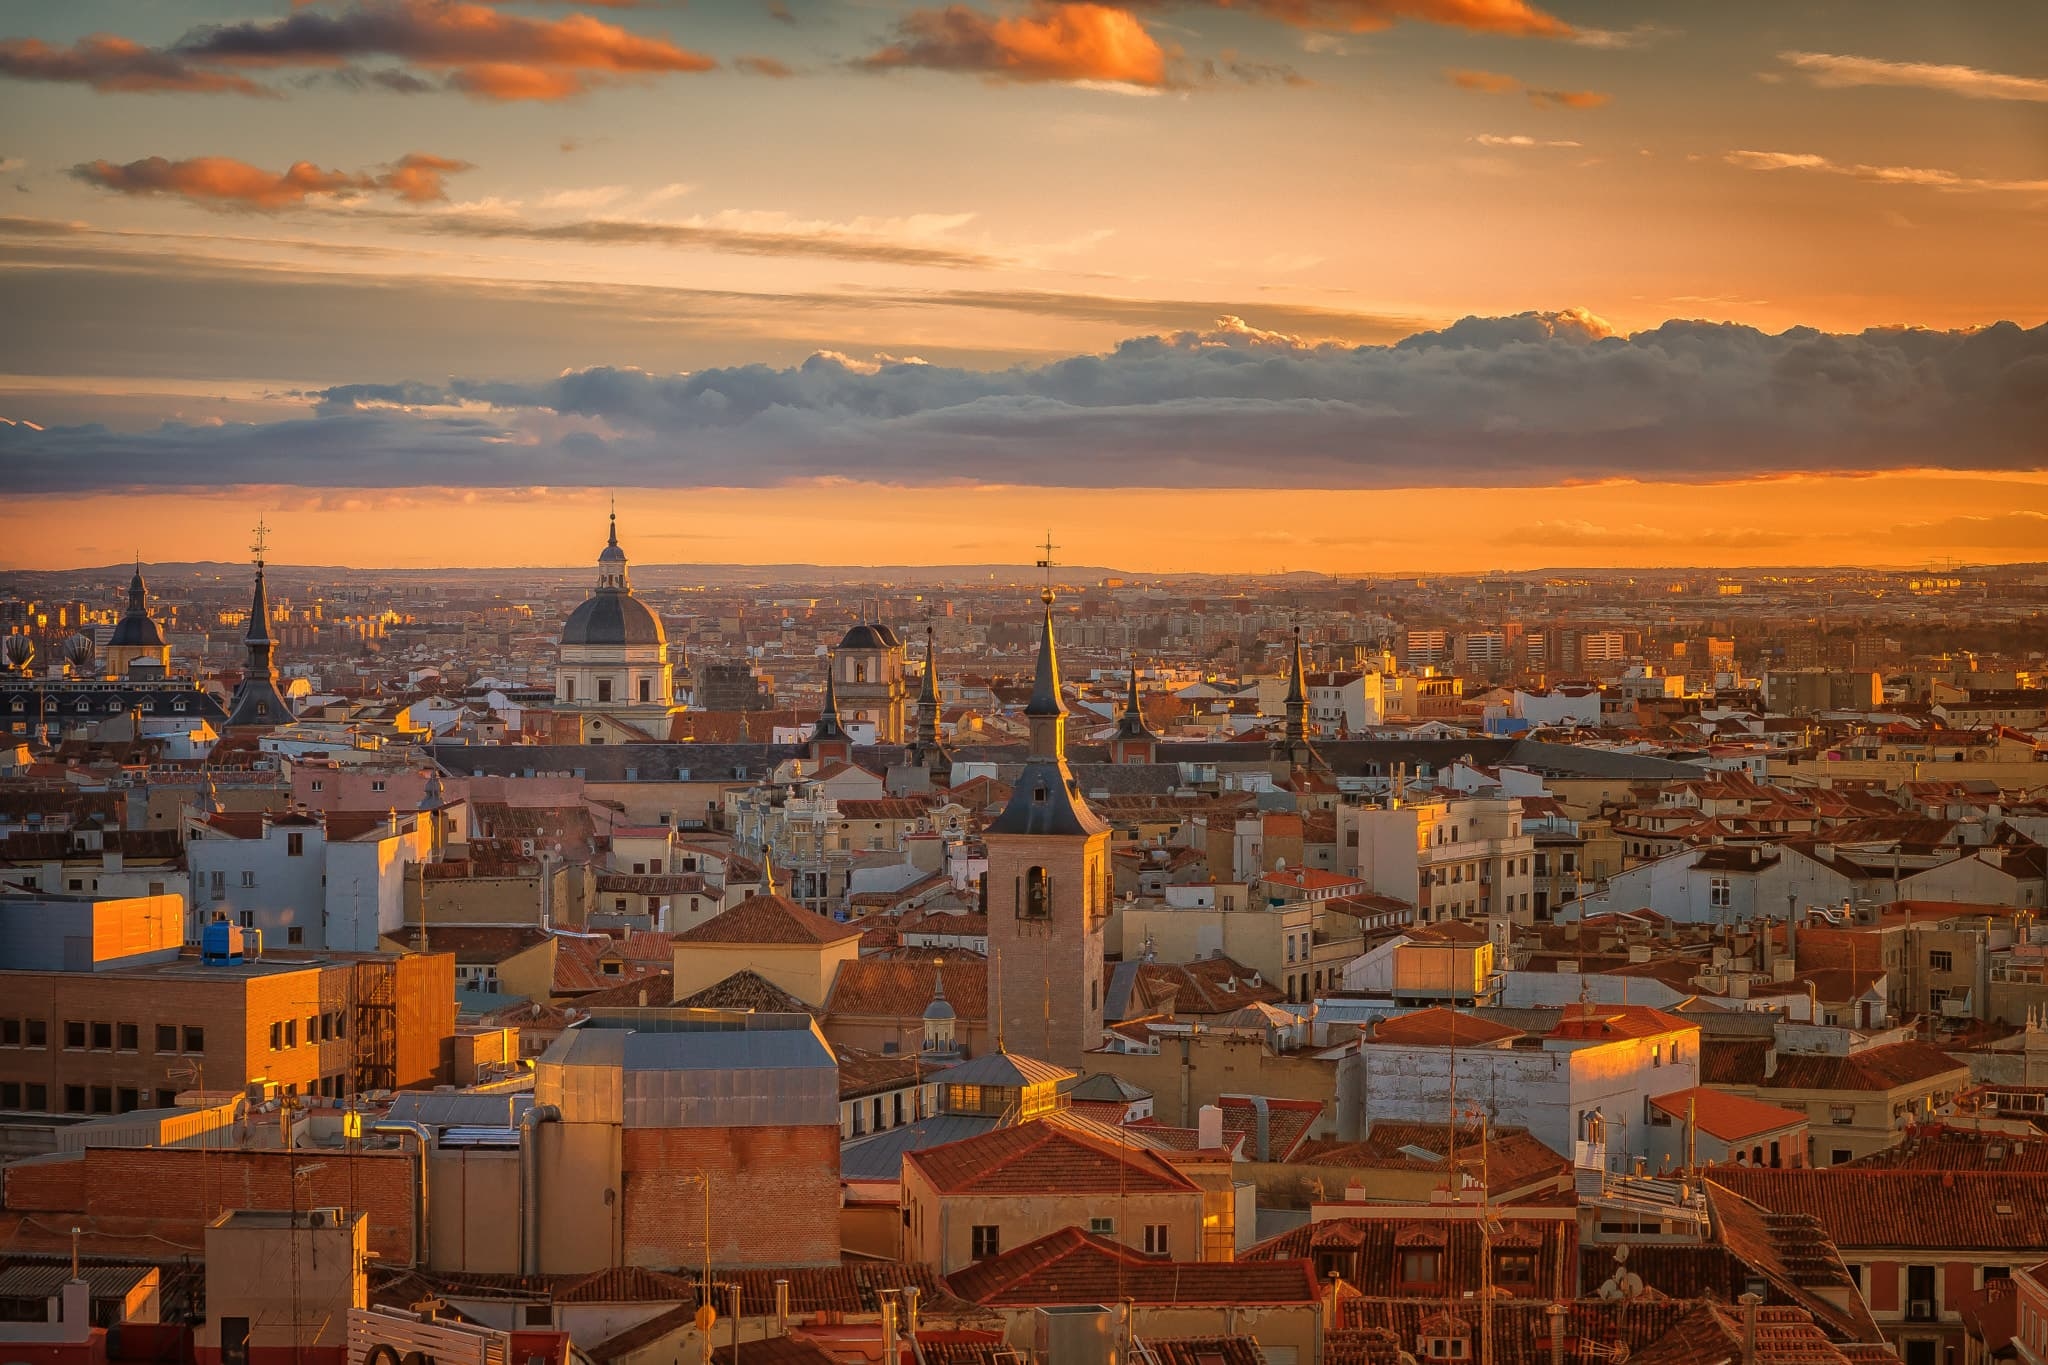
point(762, 66)
point(480, 50)
point(223, 182)
point(1049, 42)
point(1516, 18)
point(115, 65)
point(1494, 83)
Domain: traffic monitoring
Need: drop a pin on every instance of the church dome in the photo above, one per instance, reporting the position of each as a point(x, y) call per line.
point(871, 635)
point(135, 629)
point(613, 616)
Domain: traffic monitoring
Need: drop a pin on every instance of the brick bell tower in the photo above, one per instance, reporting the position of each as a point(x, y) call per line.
point(1048, 891)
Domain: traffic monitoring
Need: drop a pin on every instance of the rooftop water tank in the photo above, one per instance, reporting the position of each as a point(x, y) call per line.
point(220, 941)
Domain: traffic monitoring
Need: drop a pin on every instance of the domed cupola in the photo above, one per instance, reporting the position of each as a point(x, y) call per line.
point(614, 651)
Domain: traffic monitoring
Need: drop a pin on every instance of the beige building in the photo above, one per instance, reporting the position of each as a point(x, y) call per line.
point(1855, 1102)
point(794, 948)
point(966, 1201)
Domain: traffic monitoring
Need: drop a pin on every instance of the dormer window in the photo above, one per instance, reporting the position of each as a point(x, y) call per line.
point(1038, 793)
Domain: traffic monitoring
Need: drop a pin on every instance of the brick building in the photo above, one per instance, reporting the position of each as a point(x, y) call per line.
point(104, 1012)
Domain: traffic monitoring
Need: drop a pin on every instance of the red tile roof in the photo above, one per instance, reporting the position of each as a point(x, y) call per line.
point(1873, 1070)
point(769, 919)
point(1731, 1118)
point(1979, 1211)
point(1074, 1267)
point(1044, 1158)
point(1440, 1027)
point(901, 988)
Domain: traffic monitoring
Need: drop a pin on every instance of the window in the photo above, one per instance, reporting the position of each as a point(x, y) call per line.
point(604, 689)
point(377, 785)
point(10, 1033)
point(129, 1038)
point(1155, 1239)
point(195, 1040)
point(1720, 894)
point(986, 1240)
point(291, 1033)
point(295, 845)
point(74, 1034)
point(1656, 1054)
point(74, 1099)
point(276, 1036)
point(37, 1032)
point(103, 1099)
point(326, 1027)
point(1941, 962)
point(1102, 1227)
point(102, 1037)
point(219, 882)
point(249, 877)
point(10, 1094)
point(1515, 1270)
point(647, 689)
point(316, 784)
point(127, 1100)
point(1420, 1267)
point(1839, 1155)
point(1920, 1293)
point(1841, 1115)
point(166, 1099)
point(295, 934)
point(35, 1095)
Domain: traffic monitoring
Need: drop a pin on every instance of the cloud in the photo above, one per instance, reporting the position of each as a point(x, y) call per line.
point(2018, 530)
point(1496, 83)
point(1521, 140)
point(762, 66)
point(1613, 39)
point(1831, 71)
point(225, 183)
point(474, 48)
point(1925, 176)
point(1050, 41)
point(115, 65)
point(1533, 398)
point(1515, 18)
point(916, 241)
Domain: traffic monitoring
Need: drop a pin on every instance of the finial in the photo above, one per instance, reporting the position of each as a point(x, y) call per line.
point(939, 977)
point(615, 520)
point(262, 543)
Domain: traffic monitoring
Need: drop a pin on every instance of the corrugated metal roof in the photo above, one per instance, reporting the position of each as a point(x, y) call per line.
point(436, 1110)
point(881, 1157)
point(45, 1281)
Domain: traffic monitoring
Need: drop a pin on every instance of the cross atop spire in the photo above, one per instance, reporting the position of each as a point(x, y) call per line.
point(615, 521)
point(1045, 563)
point(261, 545)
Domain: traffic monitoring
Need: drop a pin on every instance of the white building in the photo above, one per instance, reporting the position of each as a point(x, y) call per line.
point(334, 883)
point(1595, 1060)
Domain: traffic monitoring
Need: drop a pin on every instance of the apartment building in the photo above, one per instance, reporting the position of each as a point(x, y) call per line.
point(335, 882)
point(105, 1012)
point(1454, 857)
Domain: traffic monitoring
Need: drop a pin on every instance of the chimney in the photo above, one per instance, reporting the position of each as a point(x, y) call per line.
point(782, 1308)
point(1209, 1127)
point(1749, 1303)
point(1556, 1312)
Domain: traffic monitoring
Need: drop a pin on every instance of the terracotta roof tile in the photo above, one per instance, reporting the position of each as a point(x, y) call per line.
point(1981, 1211)
point(1074, 1267)
point(901, 987)
point(769, 919)
point(1045, 1158)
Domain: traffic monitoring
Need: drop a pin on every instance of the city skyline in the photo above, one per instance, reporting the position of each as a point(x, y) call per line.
point(1354, 286)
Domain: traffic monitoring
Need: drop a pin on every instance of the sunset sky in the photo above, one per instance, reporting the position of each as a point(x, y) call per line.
point(1353, 285)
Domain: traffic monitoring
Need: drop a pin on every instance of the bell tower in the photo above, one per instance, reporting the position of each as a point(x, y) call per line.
point(1048, 889)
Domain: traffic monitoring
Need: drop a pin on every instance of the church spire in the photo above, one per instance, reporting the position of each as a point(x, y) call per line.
point(1294, 747)
point(828, 737)
point(1046, 711)
point(611, 562)
point(257, 700)
point(927, 749)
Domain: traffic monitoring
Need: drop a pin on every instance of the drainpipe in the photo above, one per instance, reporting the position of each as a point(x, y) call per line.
point(529, 1184)
point(782, 1308)
point(419, 1194)
point(1265, 1126)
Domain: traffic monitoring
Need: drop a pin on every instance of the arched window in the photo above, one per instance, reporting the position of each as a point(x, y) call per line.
point(1034, 898)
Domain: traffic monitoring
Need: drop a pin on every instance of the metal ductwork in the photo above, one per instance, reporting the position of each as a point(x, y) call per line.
point(529, 1183)
point(420, 1244)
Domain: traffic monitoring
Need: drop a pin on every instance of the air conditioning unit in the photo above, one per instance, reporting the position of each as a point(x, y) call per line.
point(260, 1091)
point(326, 1216)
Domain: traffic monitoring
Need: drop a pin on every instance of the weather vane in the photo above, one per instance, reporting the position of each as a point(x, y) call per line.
point(262, 540)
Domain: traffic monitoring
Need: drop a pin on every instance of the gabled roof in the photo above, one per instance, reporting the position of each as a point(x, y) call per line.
point(745, 990)
point(1046, 1159)
point(901, 988)
point(1074, 1267)
point(1874, 1070)
point(1712, 1333)
point(769, 919)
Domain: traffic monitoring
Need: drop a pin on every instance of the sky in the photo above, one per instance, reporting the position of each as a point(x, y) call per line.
point(1235, 285)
